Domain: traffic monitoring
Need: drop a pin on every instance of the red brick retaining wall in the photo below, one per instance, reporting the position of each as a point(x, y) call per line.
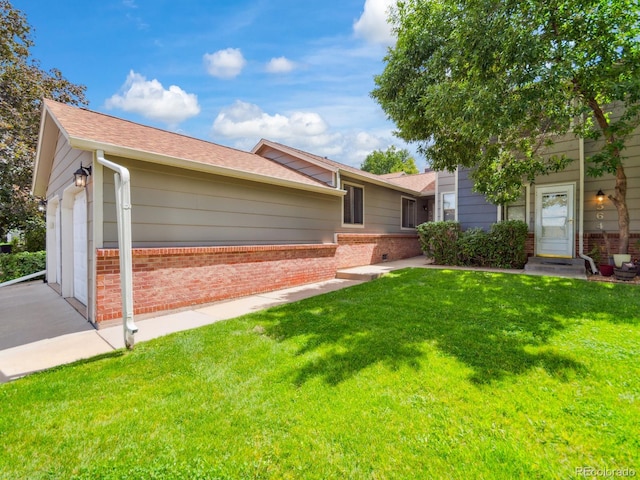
point(170, 278)
point(355, 249)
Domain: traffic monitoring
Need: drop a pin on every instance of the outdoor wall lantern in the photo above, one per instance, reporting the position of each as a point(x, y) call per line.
point(42, 205)
point(81, 176)
point(600, 196)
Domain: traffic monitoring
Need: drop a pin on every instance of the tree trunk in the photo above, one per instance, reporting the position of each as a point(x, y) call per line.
point(619, 199)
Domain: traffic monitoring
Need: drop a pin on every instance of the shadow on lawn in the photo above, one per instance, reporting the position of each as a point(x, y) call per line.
point(496, 324)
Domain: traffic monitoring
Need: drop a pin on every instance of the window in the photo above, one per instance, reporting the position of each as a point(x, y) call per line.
point(449, 206)
point(518, 209)
point(353, 205)
point(408, 213)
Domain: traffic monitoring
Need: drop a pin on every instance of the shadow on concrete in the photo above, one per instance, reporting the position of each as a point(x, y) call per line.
point(33, 311)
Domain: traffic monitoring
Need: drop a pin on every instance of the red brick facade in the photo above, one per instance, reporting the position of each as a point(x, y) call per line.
point(355, 249)
point(171, 278)
point(591, 239)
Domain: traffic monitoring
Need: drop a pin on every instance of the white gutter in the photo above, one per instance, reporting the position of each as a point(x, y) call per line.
point(123, 213)
point(581, 214)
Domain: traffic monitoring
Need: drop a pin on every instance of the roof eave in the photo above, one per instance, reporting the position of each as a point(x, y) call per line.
point(343, 171)
point(117, 150)
point(293, 152)
point(381, 183)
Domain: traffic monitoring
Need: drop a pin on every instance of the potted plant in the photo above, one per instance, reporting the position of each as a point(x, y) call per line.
point(605, 268)
point(627, 271)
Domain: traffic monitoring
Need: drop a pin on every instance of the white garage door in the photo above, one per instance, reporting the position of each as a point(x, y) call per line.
point(80, 247)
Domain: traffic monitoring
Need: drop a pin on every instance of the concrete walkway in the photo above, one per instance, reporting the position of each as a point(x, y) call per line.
point(33, 347)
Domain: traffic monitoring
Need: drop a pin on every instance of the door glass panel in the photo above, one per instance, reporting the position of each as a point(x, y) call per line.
point(555, 213)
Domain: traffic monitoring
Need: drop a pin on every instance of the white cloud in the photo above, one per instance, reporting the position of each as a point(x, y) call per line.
point(151, 100)
point(226, 63)
point(373, 25)
point(247, 120)
point(245, 123)
point(280, 65)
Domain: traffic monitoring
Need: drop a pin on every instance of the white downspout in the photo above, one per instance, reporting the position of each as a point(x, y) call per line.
point(581, 214)
point(123, 214)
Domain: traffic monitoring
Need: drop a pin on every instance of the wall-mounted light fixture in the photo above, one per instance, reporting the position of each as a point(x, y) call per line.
point(600, 196)
point(42, 205)
point(425, 207)
point(81, 175)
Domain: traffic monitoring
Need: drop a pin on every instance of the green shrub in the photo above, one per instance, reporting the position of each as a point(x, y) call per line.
point(35, 235)
point(16, 265)
point(439, 241)
point(502, 247)
point(474, 248)
point(508, 240)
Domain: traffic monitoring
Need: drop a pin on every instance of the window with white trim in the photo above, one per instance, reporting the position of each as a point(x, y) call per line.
point(449, 206)
point(409, 212)
point(517, 210)
point(353, 205)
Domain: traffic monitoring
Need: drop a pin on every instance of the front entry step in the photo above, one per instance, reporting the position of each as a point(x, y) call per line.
point(362, 276)
point(560, 267)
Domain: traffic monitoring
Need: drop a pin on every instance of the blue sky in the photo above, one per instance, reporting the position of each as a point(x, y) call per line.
point(232, 72)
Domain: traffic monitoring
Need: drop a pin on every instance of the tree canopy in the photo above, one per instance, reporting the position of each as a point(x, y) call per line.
point(23, 84)
point(488, 84)
point(392, 160)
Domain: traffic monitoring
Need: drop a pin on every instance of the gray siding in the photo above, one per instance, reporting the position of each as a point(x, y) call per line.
point(382, 209)
point(174, 207)
point(607, 183)
point(446, 181)
point(66, 161)
point(474, 211)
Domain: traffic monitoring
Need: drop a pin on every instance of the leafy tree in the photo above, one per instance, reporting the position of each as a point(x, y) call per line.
point(23, 84)
point(489, 84)
point(392, 160)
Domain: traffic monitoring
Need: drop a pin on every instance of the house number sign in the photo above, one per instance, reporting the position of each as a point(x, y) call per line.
point(600, 213)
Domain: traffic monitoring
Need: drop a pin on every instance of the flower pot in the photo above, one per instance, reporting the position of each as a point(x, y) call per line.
point(625, 275)
point(606, 270)
point(620, 258)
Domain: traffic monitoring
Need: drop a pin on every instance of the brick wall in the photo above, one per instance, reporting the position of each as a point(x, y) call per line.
point(170, 278)
point(355, 249)
point(591, 239)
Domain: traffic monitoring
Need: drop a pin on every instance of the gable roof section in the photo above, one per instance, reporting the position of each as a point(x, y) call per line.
point(333, 166)
point(88, 130)
point(425, 183)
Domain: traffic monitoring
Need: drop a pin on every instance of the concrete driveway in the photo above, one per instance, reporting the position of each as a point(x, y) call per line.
point(32, 311)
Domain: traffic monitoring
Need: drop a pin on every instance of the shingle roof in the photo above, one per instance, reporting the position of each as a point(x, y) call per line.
point(423, 183)
point(87, 125)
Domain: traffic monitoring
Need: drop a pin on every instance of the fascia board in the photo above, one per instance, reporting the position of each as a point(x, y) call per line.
point(110, 149)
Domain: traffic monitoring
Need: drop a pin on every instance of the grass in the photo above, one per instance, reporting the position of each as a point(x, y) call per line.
point(420, 374)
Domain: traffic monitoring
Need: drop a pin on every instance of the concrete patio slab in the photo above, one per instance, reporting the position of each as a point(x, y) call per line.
point(33, 311)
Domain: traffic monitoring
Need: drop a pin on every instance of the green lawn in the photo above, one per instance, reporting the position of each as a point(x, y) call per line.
point(420, 374)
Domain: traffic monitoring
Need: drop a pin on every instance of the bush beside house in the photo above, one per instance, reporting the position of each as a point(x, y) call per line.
point(16, 265)
point(502, 247)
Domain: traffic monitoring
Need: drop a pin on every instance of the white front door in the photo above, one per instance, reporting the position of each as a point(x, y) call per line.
point(555, 230)
point(80, 247)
